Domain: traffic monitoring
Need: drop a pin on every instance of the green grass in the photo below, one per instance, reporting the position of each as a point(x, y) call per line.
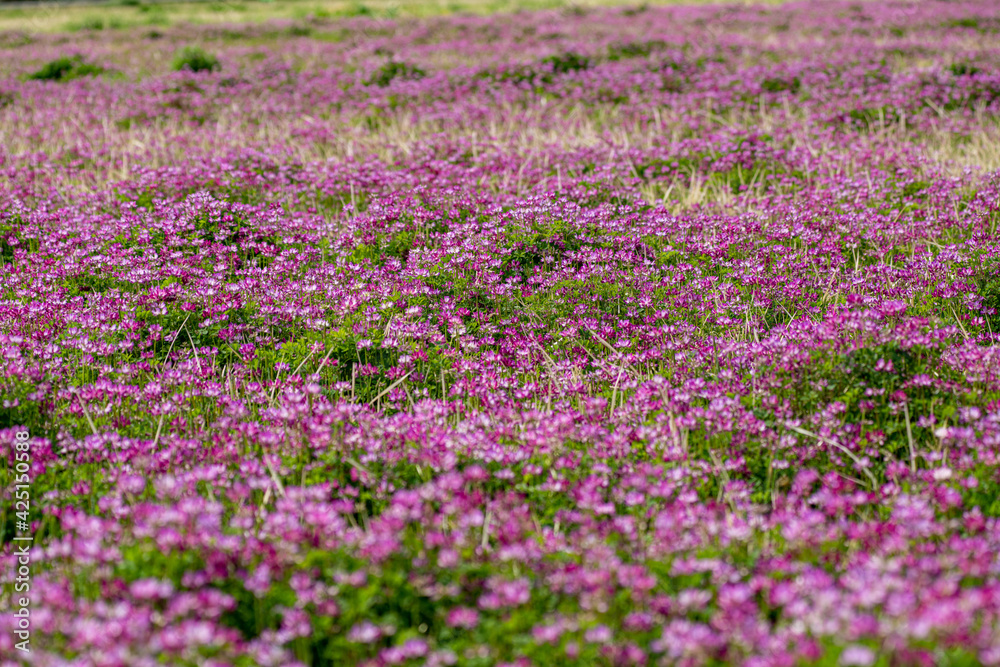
point(66, 68)
point(195, 59)
point(45, 18)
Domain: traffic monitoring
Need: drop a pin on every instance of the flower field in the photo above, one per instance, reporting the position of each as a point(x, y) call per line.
point(605, 336)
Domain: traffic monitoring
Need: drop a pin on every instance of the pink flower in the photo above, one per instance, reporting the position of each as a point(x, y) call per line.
point(463, 617)
point(857, 656)
point(150, 589)
point(599, 634)
point(364, 632)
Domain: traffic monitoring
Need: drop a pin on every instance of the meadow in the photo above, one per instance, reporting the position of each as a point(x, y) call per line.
point(620, 336)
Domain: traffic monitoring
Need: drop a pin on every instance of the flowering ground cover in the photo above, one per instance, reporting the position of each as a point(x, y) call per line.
point(642, 336)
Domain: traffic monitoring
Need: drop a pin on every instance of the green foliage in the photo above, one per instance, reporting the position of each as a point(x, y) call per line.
point(20, 408)
point(967, 22)
point(195, 59)
point(66, 68)
point(357, 9)
point(865, 381)
point(988, 288)
point(635, 11)
point(392, 70)
point(544, 72)
point(127, 122)
point(592, 194)
point(251, 614)
point(145, 199)
point(627, 50)
point(95, 283)
point(914, 188)
point(12, 239)
point(517, 75)
point(986, 495)
point(963, 69)
point(533, 246)
point(567, 62)
point(872, 118)
point(780, 85)
point(100, 23)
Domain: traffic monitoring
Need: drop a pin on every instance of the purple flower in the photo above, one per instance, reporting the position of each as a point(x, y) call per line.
point(463, 617)
point(599, 634)
point(364, 632)
point(151, 589)
point(857, 656)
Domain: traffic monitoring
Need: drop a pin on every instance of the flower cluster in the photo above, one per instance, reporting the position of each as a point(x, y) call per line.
point(643, 336)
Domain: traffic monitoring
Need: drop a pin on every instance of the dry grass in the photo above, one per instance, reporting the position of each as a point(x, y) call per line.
point(523, 132)
point(955, 152)
point(51, 17)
